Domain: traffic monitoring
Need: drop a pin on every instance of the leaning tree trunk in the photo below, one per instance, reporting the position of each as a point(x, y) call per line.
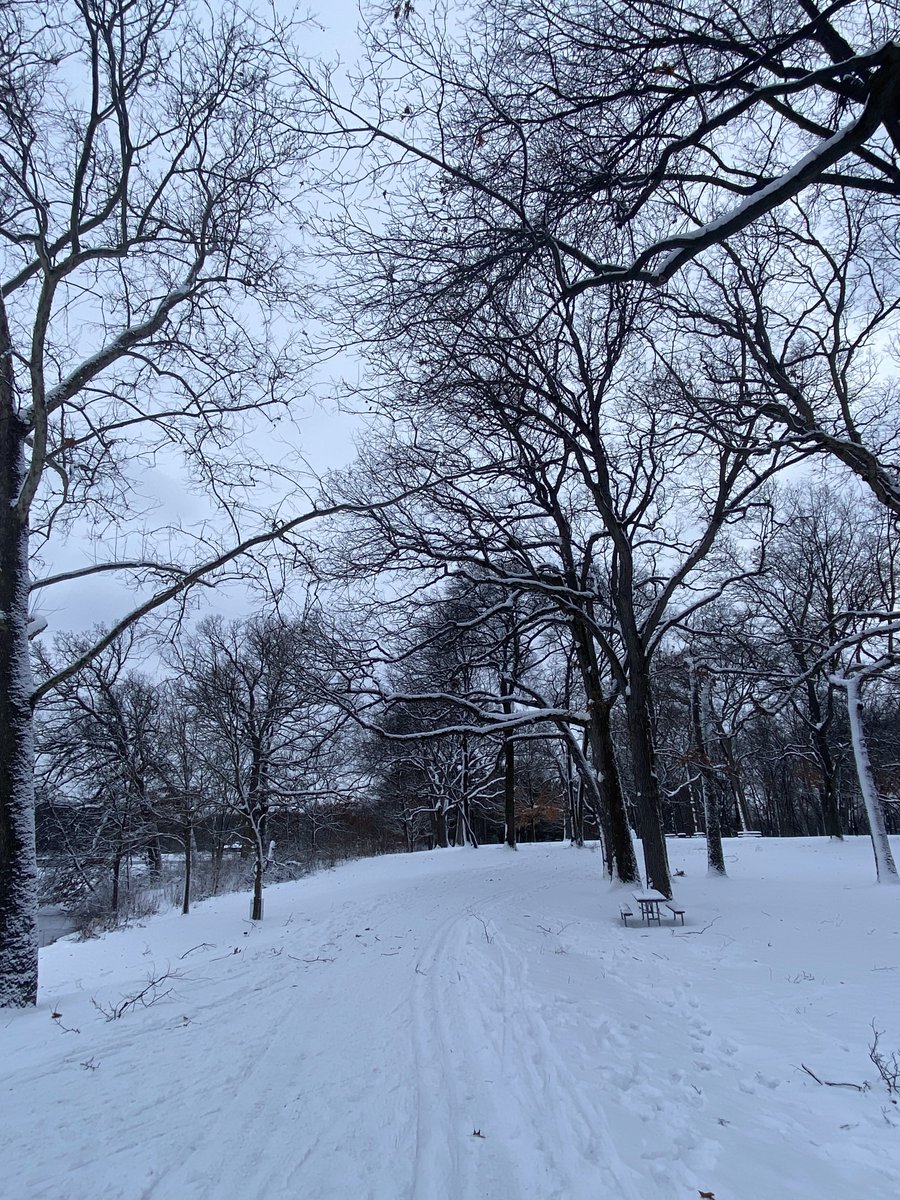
point(885, 868)
point(18, 858)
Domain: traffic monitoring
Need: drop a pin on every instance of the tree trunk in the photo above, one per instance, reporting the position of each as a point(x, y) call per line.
point(726, 741)
point(259, 859)
point(18, 858)
point(154, 851)
point(643, 759)
point(509, 790)
point(575, 790)
point(623, 860)
point(256, 908)
point(509, 773)
point(700, 701)
point(218, 849)
point(468, 834)
point(828, 790)
point(440, 827)
point(188, 862)
point(116, 883)
point(885, 868)
point(151, 826)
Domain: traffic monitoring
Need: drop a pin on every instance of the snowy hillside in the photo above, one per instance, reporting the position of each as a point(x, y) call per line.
point(473, 1024)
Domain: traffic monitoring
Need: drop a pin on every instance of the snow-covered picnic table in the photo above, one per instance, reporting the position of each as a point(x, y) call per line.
point(649, 902)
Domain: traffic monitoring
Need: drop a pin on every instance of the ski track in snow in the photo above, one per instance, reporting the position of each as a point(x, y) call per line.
point(464, 991)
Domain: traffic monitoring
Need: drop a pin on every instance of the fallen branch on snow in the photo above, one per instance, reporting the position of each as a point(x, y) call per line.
point(693, 932)
point(149, 995)
point(200, 946)
point(858, 1087)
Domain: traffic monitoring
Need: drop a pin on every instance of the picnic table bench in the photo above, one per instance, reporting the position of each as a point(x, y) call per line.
point(649, 903)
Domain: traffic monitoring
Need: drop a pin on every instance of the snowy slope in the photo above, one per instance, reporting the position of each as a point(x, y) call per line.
point(350, 1045)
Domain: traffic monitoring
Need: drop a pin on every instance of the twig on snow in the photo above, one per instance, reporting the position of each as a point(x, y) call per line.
point(857, 1087)
point(200, 946)
point(149, 995)
point(693, 932)
point(487, 936)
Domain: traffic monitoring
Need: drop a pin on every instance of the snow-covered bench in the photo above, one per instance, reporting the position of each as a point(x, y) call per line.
point(675, 911)
point(625, 912)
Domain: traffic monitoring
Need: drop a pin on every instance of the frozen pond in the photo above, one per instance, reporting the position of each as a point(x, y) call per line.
point(53, 923)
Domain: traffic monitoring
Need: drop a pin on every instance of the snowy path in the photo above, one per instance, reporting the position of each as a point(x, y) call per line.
point(350, 1046)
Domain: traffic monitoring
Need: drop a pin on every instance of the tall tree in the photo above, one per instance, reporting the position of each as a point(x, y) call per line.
point(641, 143)
point(144, 159)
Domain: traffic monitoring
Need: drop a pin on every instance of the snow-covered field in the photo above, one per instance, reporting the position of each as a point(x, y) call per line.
point(474, 1024)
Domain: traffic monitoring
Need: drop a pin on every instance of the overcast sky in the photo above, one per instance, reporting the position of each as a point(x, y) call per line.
point(323, 434)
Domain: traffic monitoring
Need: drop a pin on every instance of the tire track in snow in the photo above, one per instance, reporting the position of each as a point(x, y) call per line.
point(468, 1077)
point(440, 1008)
point(572, 1132)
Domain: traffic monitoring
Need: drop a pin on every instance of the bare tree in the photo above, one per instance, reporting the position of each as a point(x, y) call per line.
point(627, 138)
point(253, 698)
point(645, 143)
point(144, 161)
point(98, 742)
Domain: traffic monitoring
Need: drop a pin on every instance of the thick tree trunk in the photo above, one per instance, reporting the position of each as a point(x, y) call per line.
point(259, 864)
point(828, 792)
point(604, 781)
point(575, 790)
point(259, 860)
point(441, 837)
point(643, 759)
point(623, 859)
point(18, 859)
point(885, 868)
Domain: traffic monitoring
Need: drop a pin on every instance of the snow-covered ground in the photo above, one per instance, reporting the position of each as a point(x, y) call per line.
point(474, 1024)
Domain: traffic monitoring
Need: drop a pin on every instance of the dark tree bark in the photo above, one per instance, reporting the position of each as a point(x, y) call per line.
point(709, 792)
point(188, 834)
point(18, 859)
point(508, 673)
point(441, 836)
point(828, 789)
point(646, 785)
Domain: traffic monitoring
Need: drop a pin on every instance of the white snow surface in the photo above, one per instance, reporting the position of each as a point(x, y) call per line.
point(351, 1044)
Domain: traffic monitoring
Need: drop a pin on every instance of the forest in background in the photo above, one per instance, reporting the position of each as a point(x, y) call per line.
point(267, 746)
